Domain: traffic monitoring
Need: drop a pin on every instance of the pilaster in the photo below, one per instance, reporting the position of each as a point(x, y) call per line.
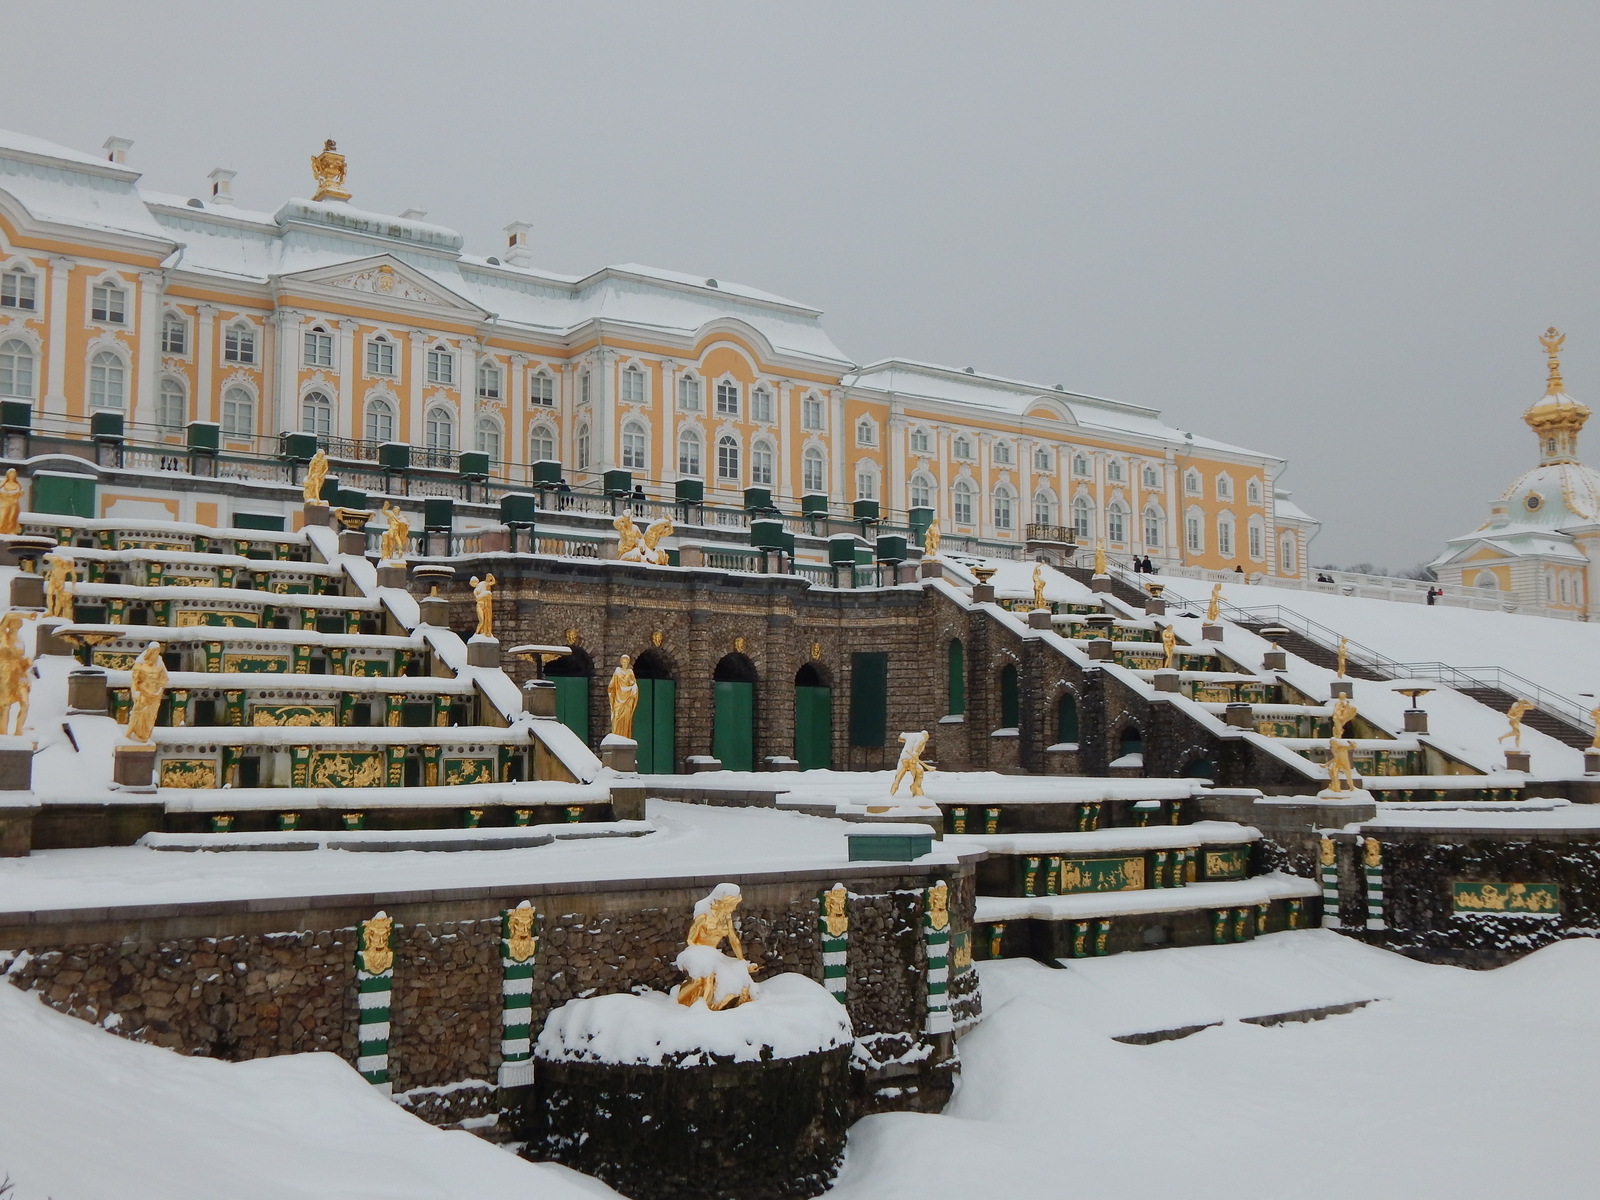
point(144, 390)
point(349, 416)
point(284, 324)
point(55, 397)
point(205, 360)
point(416, 377)
point(467, 390)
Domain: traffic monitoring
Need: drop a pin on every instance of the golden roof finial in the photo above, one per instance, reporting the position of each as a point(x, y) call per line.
point(328, 170)
point(1551, 341)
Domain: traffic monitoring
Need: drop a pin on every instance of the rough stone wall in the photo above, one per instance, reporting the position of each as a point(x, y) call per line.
point(445, 1008)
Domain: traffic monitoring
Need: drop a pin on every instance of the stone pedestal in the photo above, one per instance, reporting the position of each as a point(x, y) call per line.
point(1518, 760)
point(16, 764)
point(1341, 687)
point(1240, 716)
point(434, 610)
point(627, 803)
point(620, 754)
point(392, 575)
point(983, 593)
point(691, 556)
point(133, 768)
point(1591, 762)
point(1100, 649)
point(779, 762)
point(46, 641)
point(932, 568)
point(699, 764)
point(319, 515)
point(1275, 660)
point(27, 591)
point(539, 699)
point(352, 541)
point(1155, 607)
point(1039, 618)
point(483, 651)
point(16, 829)
point(86, 692)
point(905, 573)
point(496, 539)
point(1166, 680)
point(1416, 721)
point(1211, 633)
point(1100, 583)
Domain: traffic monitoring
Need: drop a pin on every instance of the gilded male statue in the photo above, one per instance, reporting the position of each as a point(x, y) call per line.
point(58, 586)
point(1515, 714)
point(930, 540)
point(1343, 713)
point(16, 671)
point(10, 503)
point(1341, 776)
point(630, 542)
point(659, 528)
point(316, 472)
point(1038, 586)
point(712, 924)
point(396, 539)
point(911, 762)
point(623, 694)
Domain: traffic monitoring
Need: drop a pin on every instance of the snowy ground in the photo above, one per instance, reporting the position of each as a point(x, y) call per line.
point(1451, 1083)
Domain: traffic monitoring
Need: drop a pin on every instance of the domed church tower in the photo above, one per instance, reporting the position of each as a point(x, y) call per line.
point(1541, 544)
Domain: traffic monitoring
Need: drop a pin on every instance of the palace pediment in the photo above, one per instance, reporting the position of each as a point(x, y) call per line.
point(386, 279)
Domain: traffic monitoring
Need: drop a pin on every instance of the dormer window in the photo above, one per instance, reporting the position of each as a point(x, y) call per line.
point(238, 344)
point(174, 334)
point(318, 347)
point(441, 365)
point(108, 303)
point(18, 289)
point(380, 356)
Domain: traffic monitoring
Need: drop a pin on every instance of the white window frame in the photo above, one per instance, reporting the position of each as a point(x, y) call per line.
point(316, 347)
point(1082, 518)
point(1044, 508)
point(240, 345)
point(1041, 459)
point(1193, 482)
point(488, 430)
point(763, 463)
point(378, 420)
point(961, 448)
point(439, 429)
point(543, 444)
point(727, 398)
point(1152, 528)
point(541, 389)
point(690, 393)
point(1000, 453)
point(1117, 523)
point(19, 289)
point(761, 406)
point(312, 413)
point(107, 367)
point(962, 497)
point(922, 490)
point(18, 349)
point(1152, 479)
point(866, 432)
point(813, 472)
point(171, 389)
point(171, 321)
point(441, 365)
point(920, 442)
point(380, 357)
point(691, 457)
point(108, 302)
point(729, 459)
point(866, 482)
point(1005, 508)
point(632, 385)
point(1081, 467)
point(813, 417)
point(635, 446)
point(490, 379)
point(236, 399)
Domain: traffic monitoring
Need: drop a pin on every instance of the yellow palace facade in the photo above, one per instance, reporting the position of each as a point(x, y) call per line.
point(364, 328)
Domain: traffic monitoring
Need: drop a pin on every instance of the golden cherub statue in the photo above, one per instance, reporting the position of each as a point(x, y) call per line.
point(1169, 646)
point(58, 586)
point(930, 540)
point(629, 540)
point(1215, 607)
point(1100, 557)
point(719, 980)
point(660, 528)
point(1341, 777)
point(316, 472)
point(1038, 586)
point(1515, 714)
point(396, 539)
point(328, 169)
point(16, 671)
point(623, 695)
point(911, 762)
point(149, 681)
point(1343, 713)
point(1343, 652)
point(10, 503)
point(483, 601)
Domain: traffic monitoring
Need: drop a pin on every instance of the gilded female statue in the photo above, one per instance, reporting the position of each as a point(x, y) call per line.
point(1038, 586)
point(623, 694)
point(316, 472)
point(483, 601)
point(396, 538)
point(1169, 646)
point(10, 502)
point(1100, 557)
point(149, 681)
point(58, 586)
point(713, 922)
point(1215, 606)
point(16, 672)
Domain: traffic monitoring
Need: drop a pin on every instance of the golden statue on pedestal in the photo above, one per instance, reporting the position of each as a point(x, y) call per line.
point(623, 694)
point(1038, 586)
point(10, 503)
point(483, 601)
point(58, 586)
point(148, 683)
point(1100, 557)
point(712, 973)
point(1343, 644)
point(1515, 714)
point(1169, 646)
point(1594, 715)
point(930, 540)
point(911, 762)
point(835, 916)
point(629, 539)
point(1341, 777)
point(660, 528)
point(1343, 713)
point(316, 472)
point(16, 673)
point(328, 169)
point(1215, 607)
point(396, 539)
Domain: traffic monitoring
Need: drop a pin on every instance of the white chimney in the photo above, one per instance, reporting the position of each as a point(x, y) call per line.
point(117, 149)
point(517, 253)
point(413, 214)
point(222, 185)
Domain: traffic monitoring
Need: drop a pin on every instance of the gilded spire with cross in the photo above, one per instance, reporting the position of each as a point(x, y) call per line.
point(1551, 341)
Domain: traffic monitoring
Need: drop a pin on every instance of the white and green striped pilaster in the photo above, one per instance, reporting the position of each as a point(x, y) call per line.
point(374, 984)
point(937, 900)
point(835, 935)
point(1330, 884)
point(517, 948)
point(1373, 860)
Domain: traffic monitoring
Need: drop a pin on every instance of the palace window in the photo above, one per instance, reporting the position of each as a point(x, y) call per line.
point(1252, 492)
point(727, 399)
point(689, 394)
point(1004, 503)
point(18, 289)
point(1041, 459)
point(108, 303)
point(866, 484)
point(632, 385)
point(634, 441)
point(380, 356)
point(1114, 470)
point(1224, 537)
point(379, 423)
point(1044, 509)
point(318, 348)
point(489, 439)
point(1286, 556)
point(1116, 523)
point(761, 405)
point(1152, 478)
point(1255, 541)
point(961, 495)
point(239, 344)
point(1191, 483)
point(542, 444)
point(761, 460)
point(108, 381)
point(811, 412)
point(919, 441)
point(961, 447)
point(1152, 527)
point(439, 430)
point(441, 365)
point(316, 414)
point(813, 472)
point(16, 369)
point(171, 408)
point(488, 380)
point(582, 445)
point(1224, 488)
point(921, 491)
point(1193, 533)
point(727, 458)
point(866, 433)
point(1080, 519)
point(541, 390)
point(238, 413)
point(1080, 465)
point(174, 334)
point(689, 453)
point(1002, 452)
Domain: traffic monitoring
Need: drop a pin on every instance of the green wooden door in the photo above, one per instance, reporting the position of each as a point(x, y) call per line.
point(813, 727)
point(733, 726)
point(869, 698)
point(572, 703)
point(653, 723)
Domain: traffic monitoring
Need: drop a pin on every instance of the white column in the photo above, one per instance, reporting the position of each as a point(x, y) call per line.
point(519, 417)
point(790, 444)
point(894, 428)
point(282, 416)
point(567, 424)
point(144, 396)
point(205, 360)
point(467, 389)
point(55, 398)
point(668, 425)
point(417, 374)
point(838, 437)
point(348, 415)
point(985, 513)
point(602, 399)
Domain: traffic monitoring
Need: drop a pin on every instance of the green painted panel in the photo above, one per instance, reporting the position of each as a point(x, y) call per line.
point(733, 739)
point(1102, 875)
point(572, 703)
point(957, 667)
point(1067, 718)
point(653, 726)
point(66, 495)
point(813, 727)
point(1517, 898)
point(869, 698)
point(1229, 863)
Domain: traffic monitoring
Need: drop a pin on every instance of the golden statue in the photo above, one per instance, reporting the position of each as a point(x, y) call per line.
point(1594, 715)
point(328, 170)
point(149, 680)
point(1343, 642)
point(16, 672)
point(377, 955)
point(659, 528)
point(10, 503)
point(316, 472)
point(1343, 713)
point(1215, 606)
point(1169, 646)
point(1374, 853)
point(58, 586)
point(629, 540)
point(1341, 776)
point(483, 601)
point(835, 917)
point(911, 762)
point(713, 974)
point(396, 539)
point(520, 941)
point(1100, 557)
point(1038, 586)
point(1515, 714)
point(623, 694)
point(939, 905)
point(930, 540)
point(1326, 854)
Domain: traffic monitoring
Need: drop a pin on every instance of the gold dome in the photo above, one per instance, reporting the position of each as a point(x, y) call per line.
point(1557, 417)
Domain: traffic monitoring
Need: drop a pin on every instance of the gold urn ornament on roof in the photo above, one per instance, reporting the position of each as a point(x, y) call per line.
point(328, 169)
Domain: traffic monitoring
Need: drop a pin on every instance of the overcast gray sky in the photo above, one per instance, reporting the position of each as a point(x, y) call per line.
point(1332, 232)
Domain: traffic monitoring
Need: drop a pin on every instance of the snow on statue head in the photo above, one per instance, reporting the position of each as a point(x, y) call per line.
point(716, 979)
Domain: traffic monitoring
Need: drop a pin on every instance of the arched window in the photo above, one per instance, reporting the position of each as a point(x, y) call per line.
point(632, 385)
point(961, 447)
point(238, 412)
point(634, 441)
point(961, 497)
point(488, 438)
point(728, 458)
point(1117, 523)
point(761, 461)
point(238, 343)
point(921, 491)
point(811, 412)
point(1080, 519)
point(581, 439)
point(108, 382)
point(866, 483)
point(1286, 556)
point(1152, 527)
point(316, 414)
point(1487, 581)
point(439, 430)
point(171, 408)
point(542, 444)
point(1002, 453)
point(866, 433)
point(689, 453)
point(16, 369)
point(488, 379)
point(1044, 508)
point(813, 472)
point(379, 426)
point(1010, 708)
point(956, 677)
point(174, 334)
point(1004, 507)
